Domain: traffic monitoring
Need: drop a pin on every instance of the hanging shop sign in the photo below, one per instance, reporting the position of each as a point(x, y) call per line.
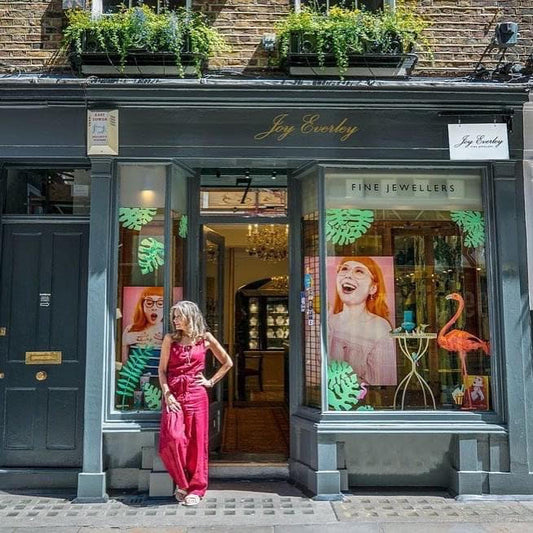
point(102, 132)
point(474, 142)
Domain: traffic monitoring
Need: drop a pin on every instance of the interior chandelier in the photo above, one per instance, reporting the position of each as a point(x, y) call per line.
point(268, 242)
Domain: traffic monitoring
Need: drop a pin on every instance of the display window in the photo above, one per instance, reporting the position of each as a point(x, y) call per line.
point(146, 227)
point(408, 321)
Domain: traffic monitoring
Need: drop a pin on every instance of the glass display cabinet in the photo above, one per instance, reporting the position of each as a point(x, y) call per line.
point(262, 330)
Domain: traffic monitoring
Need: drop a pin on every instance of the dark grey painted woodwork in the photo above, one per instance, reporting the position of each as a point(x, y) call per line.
point(515, 316)
point(100, 317)
point(42, 421)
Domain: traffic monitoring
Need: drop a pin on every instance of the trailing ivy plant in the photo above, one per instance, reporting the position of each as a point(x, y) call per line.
point(344, 32)
point(141, 28)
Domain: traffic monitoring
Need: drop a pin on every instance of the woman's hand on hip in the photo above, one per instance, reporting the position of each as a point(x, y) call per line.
point(203, 381)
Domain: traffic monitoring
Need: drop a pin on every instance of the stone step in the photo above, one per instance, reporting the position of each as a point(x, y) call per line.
point(248, 470)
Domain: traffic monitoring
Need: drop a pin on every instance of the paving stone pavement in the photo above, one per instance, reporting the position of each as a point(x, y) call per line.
point(263, 507)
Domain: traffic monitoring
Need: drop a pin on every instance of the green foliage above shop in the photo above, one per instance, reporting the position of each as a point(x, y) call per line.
point(345, 226)
point(344, 389)
point(346, 32)
point(150, 255)
point(136, 217)
point(473, 226)
point(178, 33)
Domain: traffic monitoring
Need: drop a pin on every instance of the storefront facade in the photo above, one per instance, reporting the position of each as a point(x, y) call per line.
point(373, 198)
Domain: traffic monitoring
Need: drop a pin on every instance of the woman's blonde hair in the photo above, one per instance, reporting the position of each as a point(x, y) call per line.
point(377, 303)
point(139, 316)
point(197, 327)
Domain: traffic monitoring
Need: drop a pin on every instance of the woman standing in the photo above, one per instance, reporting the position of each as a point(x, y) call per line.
point(183, 440)
point(359, 325)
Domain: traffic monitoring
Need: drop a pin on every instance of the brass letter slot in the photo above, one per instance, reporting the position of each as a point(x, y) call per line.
point(43, 358)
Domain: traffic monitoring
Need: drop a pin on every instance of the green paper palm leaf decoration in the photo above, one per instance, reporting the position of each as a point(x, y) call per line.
point(136, 217)
point(345, 226)
point(151, 255)
point(344, 389)
point(182, 231)
point(152, 396)
point(131, 372)
point(473, 226)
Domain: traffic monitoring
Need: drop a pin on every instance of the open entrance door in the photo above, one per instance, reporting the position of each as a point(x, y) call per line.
point(212, 303)
point(253, 299)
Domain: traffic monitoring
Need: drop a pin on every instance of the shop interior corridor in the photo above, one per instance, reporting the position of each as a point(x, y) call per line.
point(253, 279)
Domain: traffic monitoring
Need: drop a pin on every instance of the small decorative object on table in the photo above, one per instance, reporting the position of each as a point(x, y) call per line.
point(414, 356)
point(408, 321)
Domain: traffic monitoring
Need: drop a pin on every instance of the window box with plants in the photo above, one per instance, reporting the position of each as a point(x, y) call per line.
point(138, 41)
point(344, 42)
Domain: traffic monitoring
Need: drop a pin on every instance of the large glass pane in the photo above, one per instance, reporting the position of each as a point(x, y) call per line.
point(140, 298)
point(47, 192)
point(310, 292)
point(407, 291)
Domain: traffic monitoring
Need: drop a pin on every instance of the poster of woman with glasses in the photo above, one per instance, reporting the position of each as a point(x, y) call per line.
point(142, 312)
point(360, 301)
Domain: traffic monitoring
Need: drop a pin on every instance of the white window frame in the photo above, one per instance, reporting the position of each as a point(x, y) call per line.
point(97, 6)
point(298, 4)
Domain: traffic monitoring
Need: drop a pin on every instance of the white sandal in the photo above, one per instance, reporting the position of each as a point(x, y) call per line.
point(180, 495)
point(191, 499)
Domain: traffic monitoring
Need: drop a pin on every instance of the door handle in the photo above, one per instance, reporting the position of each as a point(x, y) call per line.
point(41, 375)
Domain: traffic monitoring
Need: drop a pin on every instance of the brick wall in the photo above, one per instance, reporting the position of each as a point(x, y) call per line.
point(461, 30)
point(30, 32)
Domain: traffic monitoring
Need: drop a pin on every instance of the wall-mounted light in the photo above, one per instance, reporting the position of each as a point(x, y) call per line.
point(274, 175)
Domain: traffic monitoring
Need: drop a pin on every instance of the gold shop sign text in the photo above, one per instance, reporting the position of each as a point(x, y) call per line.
point(43, 358)
point(310, 124)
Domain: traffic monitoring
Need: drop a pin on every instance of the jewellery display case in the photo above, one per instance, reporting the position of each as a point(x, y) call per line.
point(262, 332)
point(262, 319)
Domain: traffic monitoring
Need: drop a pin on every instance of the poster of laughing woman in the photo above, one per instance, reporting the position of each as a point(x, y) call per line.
point(361, 311)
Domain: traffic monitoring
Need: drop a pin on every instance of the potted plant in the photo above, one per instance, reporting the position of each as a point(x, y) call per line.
point(141, 42)
point(351, 42)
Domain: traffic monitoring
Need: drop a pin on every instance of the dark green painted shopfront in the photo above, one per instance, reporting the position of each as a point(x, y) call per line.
point(407, 361)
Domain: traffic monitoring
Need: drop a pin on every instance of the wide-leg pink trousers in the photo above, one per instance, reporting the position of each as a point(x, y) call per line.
point(184, 442)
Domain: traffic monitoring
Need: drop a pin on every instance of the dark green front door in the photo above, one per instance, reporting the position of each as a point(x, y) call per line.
point(43, 308)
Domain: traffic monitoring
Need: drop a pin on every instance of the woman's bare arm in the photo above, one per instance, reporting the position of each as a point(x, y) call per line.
point(223, 357)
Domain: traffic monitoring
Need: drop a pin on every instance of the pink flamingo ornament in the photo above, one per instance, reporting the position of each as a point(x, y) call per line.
point(460, 341)
point(364, 390)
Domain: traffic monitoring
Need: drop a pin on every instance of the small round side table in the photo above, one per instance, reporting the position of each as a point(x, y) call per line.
point(414, 356)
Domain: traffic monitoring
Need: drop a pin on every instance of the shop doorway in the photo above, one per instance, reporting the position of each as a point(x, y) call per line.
point(43, 290)
point(245, 296)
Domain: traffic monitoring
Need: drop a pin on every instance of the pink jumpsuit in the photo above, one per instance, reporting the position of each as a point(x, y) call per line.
point(183, 440)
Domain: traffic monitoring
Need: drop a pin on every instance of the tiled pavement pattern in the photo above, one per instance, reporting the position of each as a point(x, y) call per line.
point(430, 508)
point(263, 507)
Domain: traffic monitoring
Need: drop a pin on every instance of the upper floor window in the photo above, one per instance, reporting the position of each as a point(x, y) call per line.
point(112, 6)
point(368, 5)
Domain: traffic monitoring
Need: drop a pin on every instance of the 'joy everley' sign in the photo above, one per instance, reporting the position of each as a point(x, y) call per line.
point(312, 124)
point(102, 132)
point(478, 141)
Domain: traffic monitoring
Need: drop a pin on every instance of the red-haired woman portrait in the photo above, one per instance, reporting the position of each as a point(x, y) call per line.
point(147, 323)
point(360, 322)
